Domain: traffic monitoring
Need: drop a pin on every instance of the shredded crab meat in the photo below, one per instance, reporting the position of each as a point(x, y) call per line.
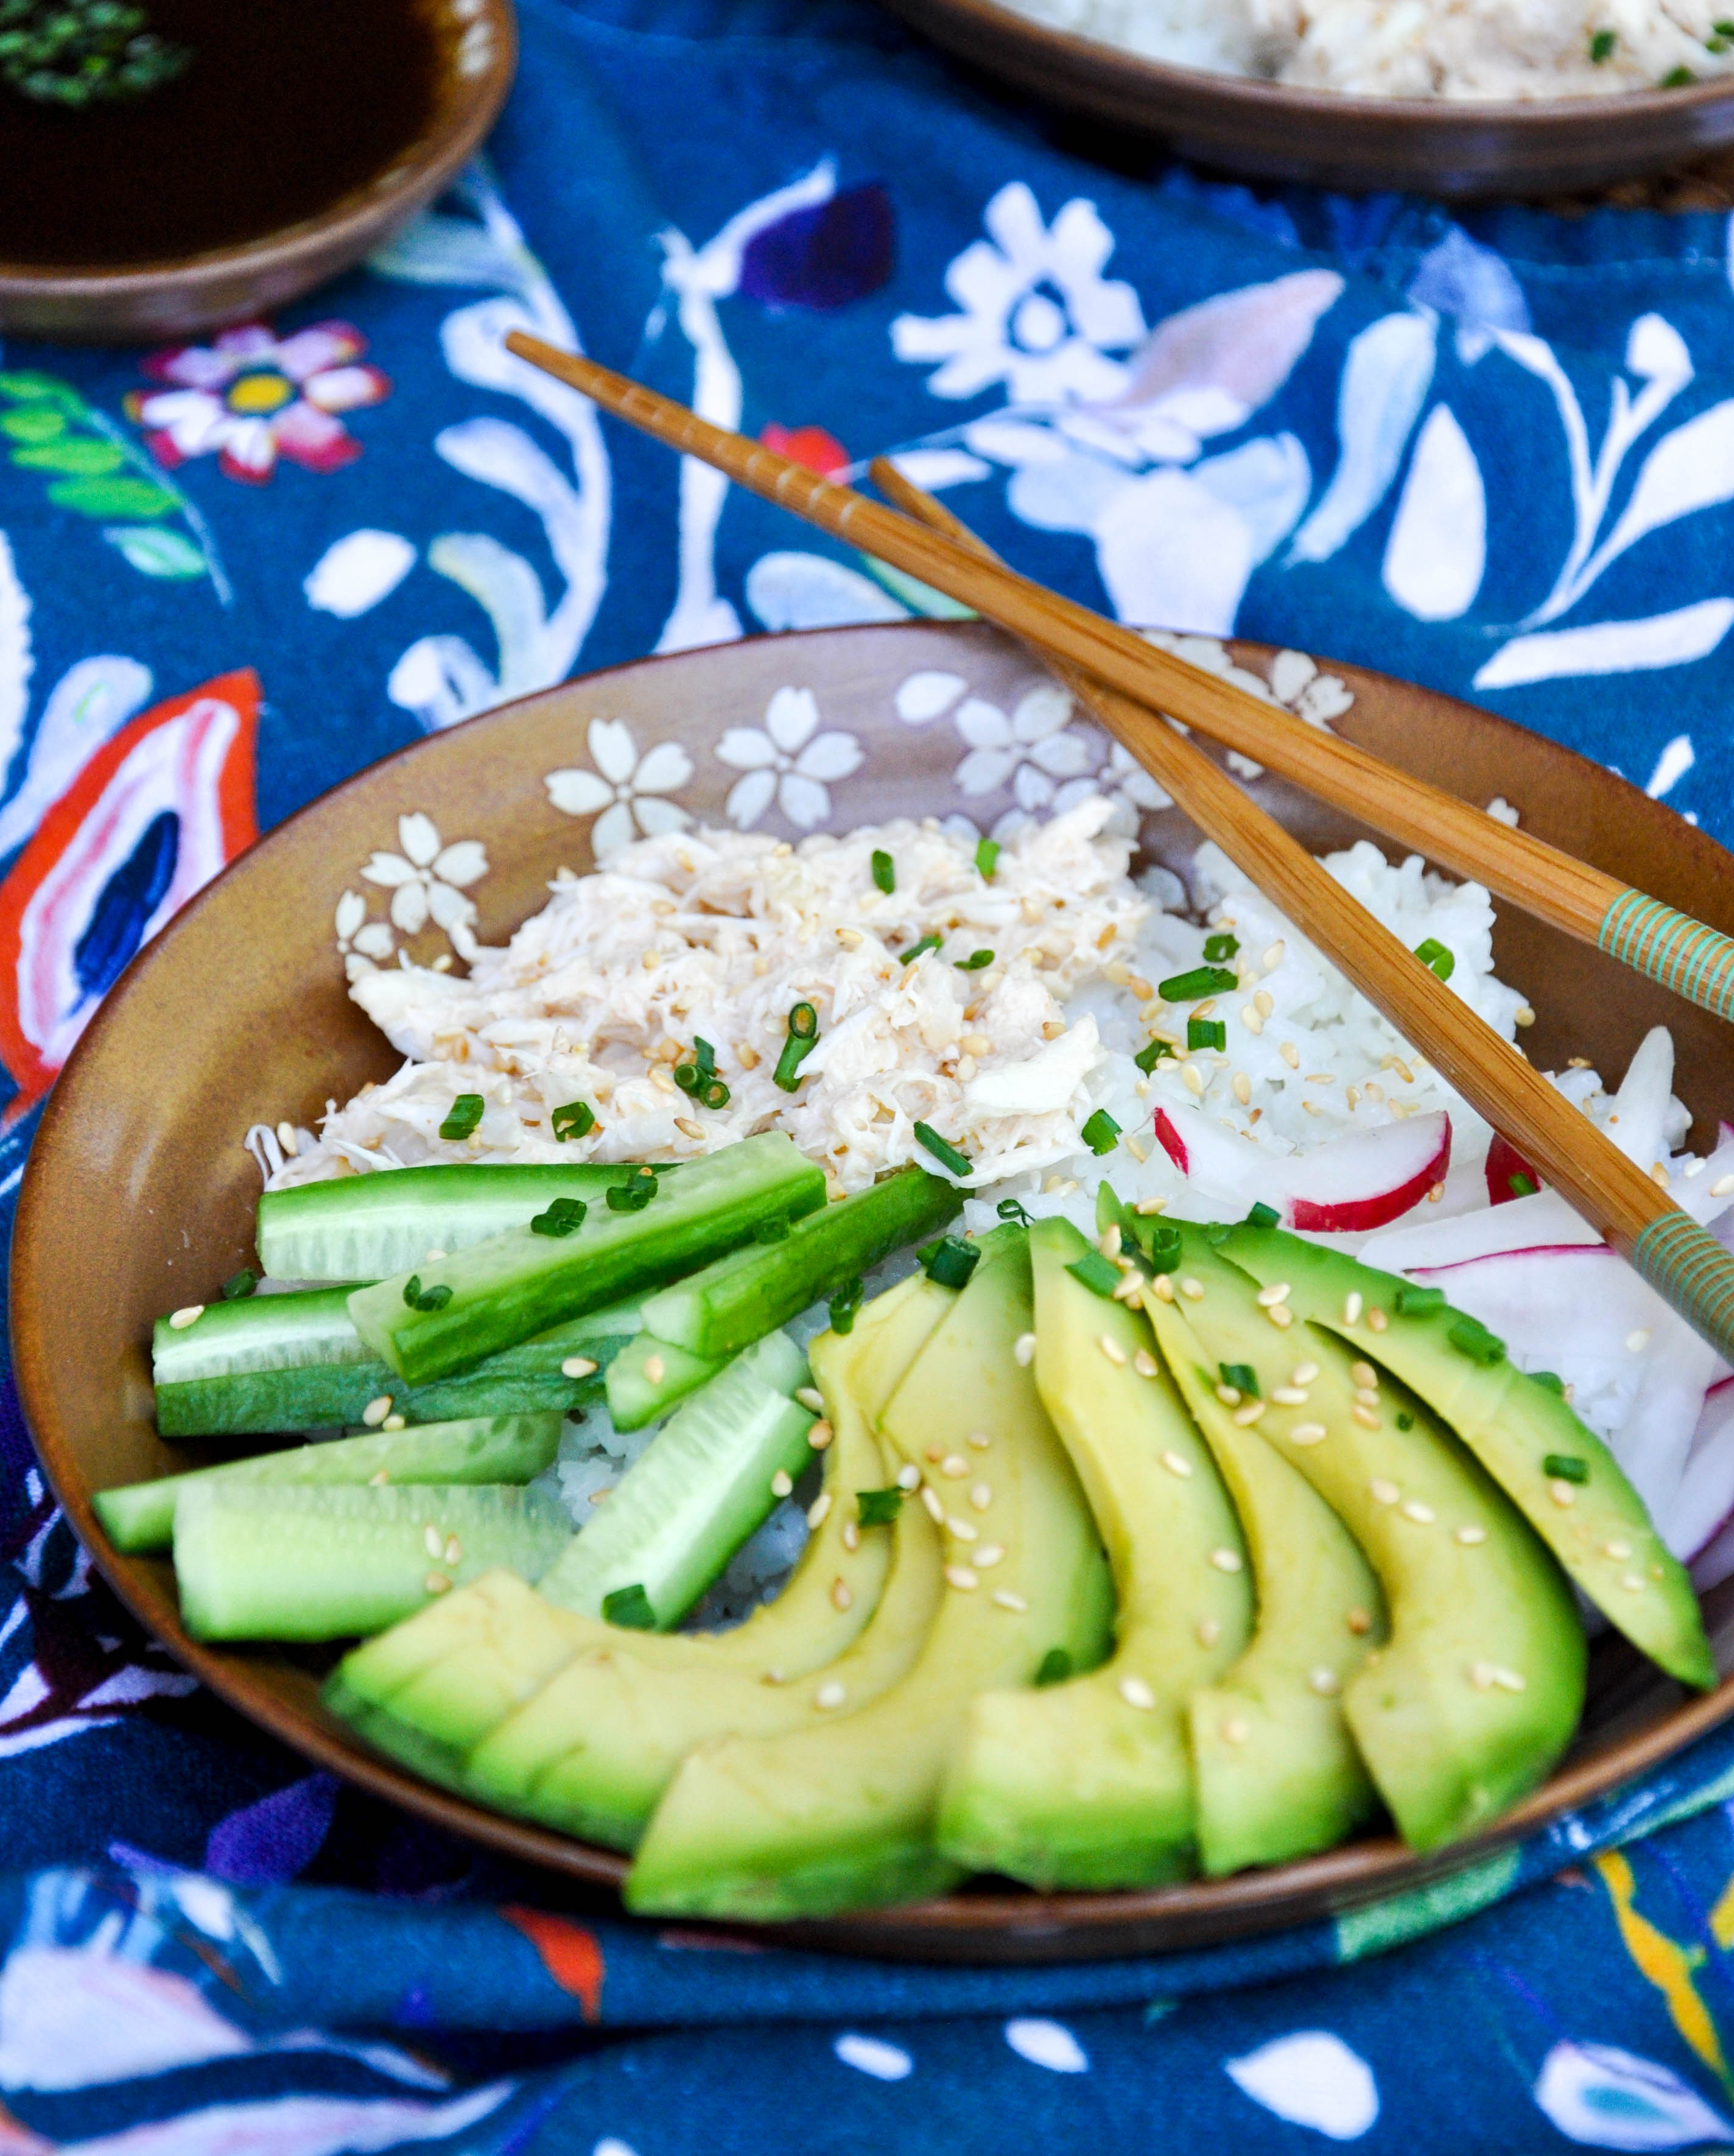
point(718, 935)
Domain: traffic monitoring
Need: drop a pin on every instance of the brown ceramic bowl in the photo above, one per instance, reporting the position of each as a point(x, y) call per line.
point(1551, 146)
point(476, 43)
point(138, 1197)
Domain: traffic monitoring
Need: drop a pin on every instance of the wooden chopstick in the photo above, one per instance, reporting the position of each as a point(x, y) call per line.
point(1681, 1259)
point(1683, 955)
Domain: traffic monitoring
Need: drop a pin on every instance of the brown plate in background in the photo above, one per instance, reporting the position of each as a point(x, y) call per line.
point(138, 1197)
point(1434, 147)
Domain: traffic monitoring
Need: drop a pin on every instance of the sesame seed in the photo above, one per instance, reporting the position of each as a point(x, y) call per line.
point(1246, 1415)
point(1633, 1583)
point(980, 1439)
point(1289, 1054)
point(1264, 1002)
point(688, 1128)
point(597, 1496)
point(1562, 1494)
point(773, 1677)
point(851, 1535)
point(577, 1366)
point(962, 1530)
point(376, 1411)
point(1352, 1307)
point(829, 1696)
point(1145, 1364)
point(1162, 1288)
point(1523, 1015)
point(1290, 1396)
point(438, 1257)
point(818, 1510)
point(909, 1478)
point(392, 1422)
point(1191, 1078)
point(1177, 1464)
point(1227, 1560)
point(1005, 1600)
point(1192, 1290)
point(934, 1455)
point(1308, 1433)
point(1243, 1088)
point(780, 1483)
point(1147, 1206)
point(1130, 1288)
point(1273, 957)
point(1366, 1417)
point(1113, 1349)
point(820, 1434)
point(655, 1369)
point(1366, 1378)
point(1616, 1550)
point(954, 1466)
point(936, 1511)
point(1269, 1297)
point(432, 1540)
point(436, 1582)
point(1023, 1350)
point(1637, 1342)
point(981, 1495)
point(840, 1596)
point(747, 1056)
point(1108, 1242)
point(1133, 1147)
point(1480, 1676)
point(987, 1555)
point(190, 1315)
point(453, 1550)
point(1228, 1395)
point(1303, 1374)
point(1136, 1693)
point(1471, 1535)
point(1423, 1515)
point(1281, 1316)
point(810, 1396)
point(379, 1481)
point(1325, 1682)
point(1722, 1186)
point(1251, 1019)
point(1235, 1731)
point(1377, 1319)
point(1366, 1396)
point(1052, 1028)
point(961, 1578)
point(1396, 1063)
point(1383, 1493)
point(1509, 1680)
point(1207, 1631)
point(851, 939)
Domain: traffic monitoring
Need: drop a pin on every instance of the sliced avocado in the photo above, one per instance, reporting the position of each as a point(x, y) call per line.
point(1088, 1783)
point(592, 1750)
point(1278, 1773)
point(1481, 1684)
point(841, 1815)
point(1598, 1527)
point(434, 1686)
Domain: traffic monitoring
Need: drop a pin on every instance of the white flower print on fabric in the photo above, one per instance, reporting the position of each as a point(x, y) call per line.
point(789, 760)
point(1049, 2043)
point(1032, 749)
point(1034, 310)
point(628, 792)
point(1310, 2078)
point(1603, 2097)
point(427, 880)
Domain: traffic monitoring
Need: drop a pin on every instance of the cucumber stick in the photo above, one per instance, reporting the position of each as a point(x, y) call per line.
point(647, 1377)
point(365, 1227)
point(687, 1503)
point(295, 1362)
point(491, 1449)
point(277, 1561)
point(519, 1283)
point(752, 1291)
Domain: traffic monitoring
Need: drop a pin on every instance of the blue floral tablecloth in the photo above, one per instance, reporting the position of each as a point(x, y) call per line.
point(1492, 450)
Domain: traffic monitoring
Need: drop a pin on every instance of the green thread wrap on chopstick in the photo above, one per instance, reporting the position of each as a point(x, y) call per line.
point(1688, 1268)
point(1681, 953)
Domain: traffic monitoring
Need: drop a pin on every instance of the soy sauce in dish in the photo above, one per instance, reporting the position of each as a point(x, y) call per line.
point(286, 106)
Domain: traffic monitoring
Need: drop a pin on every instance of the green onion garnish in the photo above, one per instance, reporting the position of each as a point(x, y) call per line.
point(686, 1077)
point(1520, 1185)
point(841, 1307)
point(1012, 1208)
point(949, 1260)
point(424, 1298)
point(1263, 1216)
point(562, 1216)
point(1565, 1467)
point(239, 1285)
point(1096, 1273)
point(1147, 1058)
point(713, 1094)
point(942, 1150)
point(1405, 1420)
point(1602, 44)
point(699, 1076)
point(1551, 1378)
point(1470, 1337)
point(986, 854)
point(629, 1608)
point(1437, 959)
point(1217, 1233)
point(974, 962)
point(1241, 1377)
point(884, 872)
point(1163, 1250)
point(576, 1120)
point(1410, 1300)
point(1100, 1133)
point(1218, 948)
point(1056, 1667)
point(915, 950)
point(1676, 79)
point(1193, 987)
point(878, 1508)
point(803, 1035)
point(1206, 1032)
point(634, 1194)
point(465, 1114)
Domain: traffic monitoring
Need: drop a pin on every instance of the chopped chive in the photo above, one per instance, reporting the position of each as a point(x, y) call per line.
point(1100, 1133)
point(1147, 1058)
point(1263, 1216)
point(1206, 1032)
point(1551, 1378)
point(1162, 1248)
point(1520, 1185)
point(1723, 29)
point(239, 1286)
point(773, 1230)
point(1192, 987)
point(1410, 1299)
point(1602, 44)
point(1470, 1337)
point(1405, 1420)
point(1217, 1233)
point(424, 1298)
point(942, 1150)
point(1242, 1377)
point(576, 1120)
point(629, 1608)
point(803, 1035)
point(1218, 948)
point(1676, 79)
point(713, 1094)
point(878, 1508)
point(842, 1306)
point(987, 855)
point(1012, 1208)
point(462, 1117)
point(1056, 1666)
point(705, 1056)
point(686, 1077)
point(1096, 1273)
point(1565, 1467)
point(949, 1260)
point(633, 1195)
point(974, 962)
point(884, 871)
point(1437, 959)
point(915, 950)
point(562, 1217)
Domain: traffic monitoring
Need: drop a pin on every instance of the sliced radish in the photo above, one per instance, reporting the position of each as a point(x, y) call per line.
point(1346, 1187)
point(1508, 1173)
point(1704, 1505)
point(1543, 1222)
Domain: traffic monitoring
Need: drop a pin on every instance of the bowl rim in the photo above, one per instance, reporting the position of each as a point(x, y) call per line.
point(1362, 1870)
point(423, 167)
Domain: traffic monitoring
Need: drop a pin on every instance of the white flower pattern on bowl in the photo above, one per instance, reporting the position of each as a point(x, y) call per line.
point(789, 760)
point(629, 791)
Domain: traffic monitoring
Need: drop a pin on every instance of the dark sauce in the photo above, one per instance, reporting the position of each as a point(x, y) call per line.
point(288, 105)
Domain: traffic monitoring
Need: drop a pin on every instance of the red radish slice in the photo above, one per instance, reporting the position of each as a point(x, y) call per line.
point(1509, 1174)
point(1168, 1137)
point(1350, 1185)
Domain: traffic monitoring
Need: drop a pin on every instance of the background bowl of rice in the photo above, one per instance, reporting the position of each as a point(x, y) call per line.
point(1451, 146)
point(141, 1193)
